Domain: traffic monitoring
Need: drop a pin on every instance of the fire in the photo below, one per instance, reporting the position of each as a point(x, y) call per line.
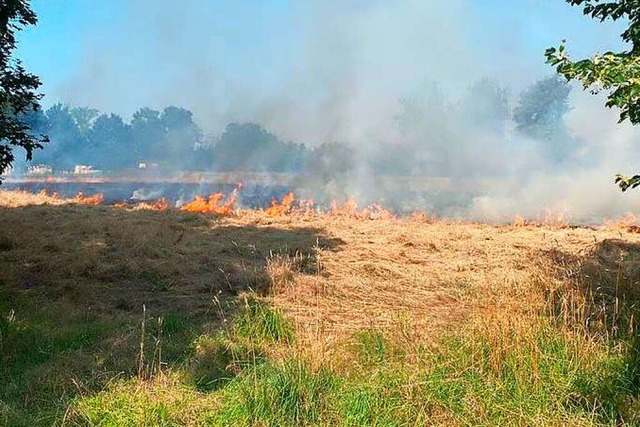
point(377, 211)
point(554, 219)
point(96, 199)
point(549, 219)
point(519, 221)
point(158, 205)
point(628, 222)
point(350, 209)
point(306, 207)
point(213, 205)
point(283, 208)
point(423, 217)
point(219, 204)
point(45, 193)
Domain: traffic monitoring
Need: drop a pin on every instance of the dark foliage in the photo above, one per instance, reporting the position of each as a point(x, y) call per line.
point(618, 73)
point(18, 96)
point(540, 114)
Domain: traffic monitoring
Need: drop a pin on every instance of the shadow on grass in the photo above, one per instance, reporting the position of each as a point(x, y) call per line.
point(604, 299)
point(74, 281)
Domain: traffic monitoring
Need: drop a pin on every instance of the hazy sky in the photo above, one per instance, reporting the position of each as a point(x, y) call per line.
point(283, 62)
point(336, 70)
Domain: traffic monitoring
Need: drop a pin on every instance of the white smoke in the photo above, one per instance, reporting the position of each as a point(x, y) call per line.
point(335, 70)
point(584, 193)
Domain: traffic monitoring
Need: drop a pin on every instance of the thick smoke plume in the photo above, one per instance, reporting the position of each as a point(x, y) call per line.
point(419, 96)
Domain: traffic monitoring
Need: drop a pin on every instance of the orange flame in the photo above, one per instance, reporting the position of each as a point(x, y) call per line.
point(306, 207)
point(96, 199)
point(556, 219)
point(377, 211)
point(519, 221)
point(213, 205)
point(121, 205)
point(627, 222)
point(348, 209)
point(46, 193)
point(158, 205)
point(423, 217)
point(283, 208)
point(549, 219)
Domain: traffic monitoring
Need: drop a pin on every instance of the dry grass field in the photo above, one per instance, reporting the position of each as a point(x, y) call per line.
point(141, 316)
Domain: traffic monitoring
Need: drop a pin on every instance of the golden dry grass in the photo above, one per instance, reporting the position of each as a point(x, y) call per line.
point(332, 274)
point(416, 281)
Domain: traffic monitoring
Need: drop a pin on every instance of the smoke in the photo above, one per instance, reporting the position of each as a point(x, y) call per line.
point(582, 192)
point(145, 194)
point(390, 80)
point(315, 71)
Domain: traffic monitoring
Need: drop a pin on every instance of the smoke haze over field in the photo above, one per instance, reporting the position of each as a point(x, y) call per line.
point(386, 78)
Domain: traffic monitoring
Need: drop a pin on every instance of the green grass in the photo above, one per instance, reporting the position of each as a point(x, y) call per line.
point(278, 393)
point(219, 359)
point(261, 324)
point(468, 380)
point(58, 369)
point(40, 350)
point(135, 404)
point(50, 354)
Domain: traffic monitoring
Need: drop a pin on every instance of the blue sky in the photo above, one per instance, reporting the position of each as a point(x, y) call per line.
point(245, 58)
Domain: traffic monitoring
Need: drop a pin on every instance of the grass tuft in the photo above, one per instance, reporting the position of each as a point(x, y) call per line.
point(162, 403)
point(262, 324)
point(219, 359)
point(286, 393)
point(371, 347)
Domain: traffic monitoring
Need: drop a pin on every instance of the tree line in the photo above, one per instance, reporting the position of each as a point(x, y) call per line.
point(434, 136)
point(169, 138)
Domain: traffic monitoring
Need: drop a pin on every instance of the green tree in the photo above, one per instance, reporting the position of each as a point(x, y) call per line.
point(248, 146)
point(111, 140)
point(540, 113)
point(147, 132)
point(617, 73)
point(181, 134)
point(18, 88)
point(426, 132)
point(68, 146)
point(84, 118)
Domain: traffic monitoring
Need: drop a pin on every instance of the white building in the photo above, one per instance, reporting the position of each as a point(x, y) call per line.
point(39, 170)
point(83, 170)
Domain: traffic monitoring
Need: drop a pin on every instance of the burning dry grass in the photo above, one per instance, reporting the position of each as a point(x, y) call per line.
point(159, 205)
point(306, 208)
point(213, 205)
point(549, 219)
point(397, 285)
point(14, 199)
point(17, 199)
point(281, 208)
point(332, 272)
point(629, 222)
point(82, 199)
